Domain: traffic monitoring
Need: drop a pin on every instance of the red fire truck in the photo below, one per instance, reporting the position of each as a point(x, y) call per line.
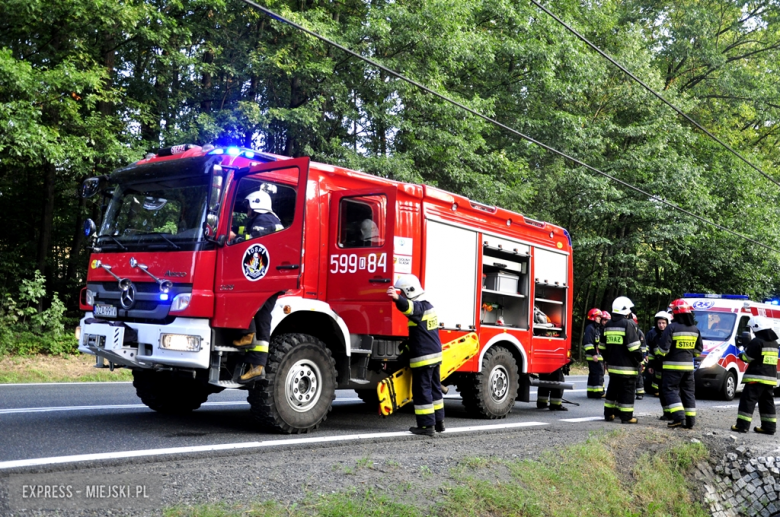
point(167, 289)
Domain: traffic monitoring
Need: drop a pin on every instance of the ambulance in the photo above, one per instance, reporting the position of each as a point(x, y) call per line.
point(721, 319)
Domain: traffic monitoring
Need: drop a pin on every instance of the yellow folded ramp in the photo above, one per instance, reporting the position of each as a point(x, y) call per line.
point(396, 390)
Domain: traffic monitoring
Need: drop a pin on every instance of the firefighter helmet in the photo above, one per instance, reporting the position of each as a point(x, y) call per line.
point(622, 305)
point(368, 229)
point(662, 315)
point(260, 201)
point(759, 323)
point(605, 316)
point(680, 306)
point(593, 314)
point(410, 286)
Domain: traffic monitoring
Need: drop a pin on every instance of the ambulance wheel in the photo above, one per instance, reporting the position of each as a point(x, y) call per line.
point(729, 388)
point(491, 393)
point(167, 393)
point(299, 387)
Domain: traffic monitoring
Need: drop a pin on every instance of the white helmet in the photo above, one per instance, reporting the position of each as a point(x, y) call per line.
point(410, 285)
point(368, 229)
point(662, 315)
point(622, 305)
point(260, 201)
point(759, 323)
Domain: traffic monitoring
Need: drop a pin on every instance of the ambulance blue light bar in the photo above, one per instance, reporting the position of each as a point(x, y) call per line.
point(721, 296)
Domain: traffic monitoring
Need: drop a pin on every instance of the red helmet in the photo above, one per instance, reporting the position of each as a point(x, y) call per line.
point(636, 321)
point(593, 314)
point(605, 316)
point(680, 306)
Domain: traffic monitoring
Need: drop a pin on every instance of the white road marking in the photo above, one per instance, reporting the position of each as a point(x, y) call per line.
point(242, 445)
point(583, 419)
point(107, 383)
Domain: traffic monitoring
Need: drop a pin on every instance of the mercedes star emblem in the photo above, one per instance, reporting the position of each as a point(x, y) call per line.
point(127, 297)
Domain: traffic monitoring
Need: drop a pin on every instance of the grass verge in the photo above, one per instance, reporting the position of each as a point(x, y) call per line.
point(604, 476)
point(52, 368)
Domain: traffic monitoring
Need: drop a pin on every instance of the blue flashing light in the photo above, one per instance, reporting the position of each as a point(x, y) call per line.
point(216, 151)
point(566, 233)
point(721, 296)
point(233, 151)
point(775, 302)
point(164, 297)
point(249, 154)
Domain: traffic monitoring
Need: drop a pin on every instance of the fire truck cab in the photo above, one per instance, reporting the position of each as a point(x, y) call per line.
point(175, 276)
point(721, 319)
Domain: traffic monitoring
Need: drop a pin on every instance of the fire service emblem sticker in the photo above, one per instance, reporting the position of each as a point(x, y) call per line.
point(255, 263)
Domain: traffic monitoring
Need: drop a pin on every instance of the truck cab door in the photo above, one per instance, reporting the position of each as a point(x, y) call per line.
point(251, 269)
point(360, 258)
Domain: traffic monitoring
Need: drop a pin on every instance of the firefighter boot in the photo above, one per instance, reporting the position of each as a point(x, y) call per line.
point(424, 431)
point(738, 429)
point(245, 340)
point(440, 427)
point(630, 421)
point(675, 423)
point(690, 421)
point(558, 407)
point(254, 373)
point(665, 416)
point(761, 430)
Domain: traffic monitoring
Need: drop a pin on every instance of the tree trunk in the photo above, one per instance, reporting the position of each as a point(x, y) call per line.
point(205, 104)
point(47, 218)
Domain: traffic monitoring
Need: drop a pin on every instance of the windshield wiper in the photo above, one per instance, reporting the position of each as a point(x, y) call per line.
point(169, 241)
point(115, 240)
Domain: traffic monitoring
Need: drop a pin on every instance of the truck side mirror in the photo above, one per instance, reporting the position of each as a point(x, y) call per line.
point(744, 339)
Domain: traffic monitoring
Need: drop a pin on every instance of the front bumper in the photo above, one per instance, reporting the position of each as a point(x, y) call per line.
point(108, 342)
point(711, 378)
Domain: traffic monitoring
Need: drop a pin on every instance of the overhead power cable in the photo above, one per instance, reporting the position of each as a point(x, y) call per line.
point(658, 199)
point(656, 94)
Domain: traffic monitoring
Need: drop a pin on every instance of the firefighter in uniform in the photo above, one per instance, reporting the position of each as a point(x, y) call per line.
point(760, 378)
point(554, 396)
point(591, 343)
point(624, 357)
point(653, 364)
point(424, 354)
point(640, 379)
point(261, 220)
point(677, 346)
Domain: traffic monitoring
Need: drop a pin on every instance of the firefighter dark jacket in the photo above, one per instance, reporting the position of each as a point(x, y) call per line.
point(678, 345)
point(651, 339)
point(761, 357)
point(591, 341)
point(424, 343)
point(623, 347)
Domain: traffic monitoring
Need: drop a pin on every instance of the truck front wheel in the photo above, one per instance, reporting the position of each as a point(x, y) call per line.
point(167, 393)
point(491, 393)
point(298, 390)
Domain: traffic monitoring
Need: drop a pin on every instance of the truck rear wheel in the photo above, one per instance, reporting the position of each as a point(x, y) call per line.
point(298, 390)
point(167, 393)
point(491, 393)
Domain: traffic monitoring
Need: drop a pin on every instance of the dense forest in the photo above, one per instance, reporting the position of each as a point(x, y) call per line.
point(89, 85)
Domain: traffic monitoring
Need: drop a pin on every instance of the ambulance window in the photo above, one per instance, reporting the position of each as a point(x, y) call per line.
point(743, 326)
point(282, 198)
point(362, 221)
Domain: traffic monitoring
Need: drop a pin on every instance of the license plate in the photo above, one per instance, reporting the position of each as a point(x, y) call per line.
point(106, 311)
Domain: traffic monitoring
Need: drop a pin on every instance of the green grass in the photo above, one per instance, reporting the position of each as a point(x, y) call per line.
point(53, 368)
point(588, 479)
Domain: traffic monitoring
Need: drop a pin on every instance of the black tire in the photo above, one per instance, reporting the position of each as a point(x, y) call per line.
point(369, 397)
point(298, 365)
point(167, 393)
point(729, 388)
point(491, 393)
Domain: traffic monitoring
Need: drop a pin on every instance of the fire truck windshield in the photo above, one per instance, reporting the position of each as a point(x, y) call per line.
point(716, 326)
point(166, 214)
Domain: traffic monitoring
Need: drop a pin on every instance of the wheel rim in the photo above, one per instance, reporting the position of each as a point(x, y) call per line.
point(499, 383)
point(303, 385)
point(731, 387)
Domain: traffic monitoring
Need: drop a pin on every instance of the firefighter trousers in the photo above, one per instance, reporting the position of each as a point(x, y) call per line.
point(595, 379)
point(545, 395)
point(426, 395)
point(763, 394)
point(640, 382)
point(261, 326)
point(619, 401)
point(678, 392)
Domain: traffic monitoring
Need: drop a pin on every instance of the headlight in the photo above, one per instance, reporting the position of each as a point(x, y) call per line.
point(90, 296)
point(714, 356)
point(180, 302)
point(180, 342)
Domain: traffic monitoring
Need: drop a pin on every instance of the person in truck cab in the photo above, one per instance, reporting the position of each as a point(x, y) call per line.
point(424, 354)
point(261, 220)
point(760, 378)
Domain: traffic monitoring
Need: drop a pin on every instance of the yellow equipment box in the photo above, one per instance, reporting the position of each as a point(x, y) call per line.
point(396, 390)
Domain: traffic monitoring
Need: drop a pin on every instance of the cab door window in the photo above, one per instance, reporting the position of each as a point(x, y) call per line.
point(260, 207)
point(362, 221)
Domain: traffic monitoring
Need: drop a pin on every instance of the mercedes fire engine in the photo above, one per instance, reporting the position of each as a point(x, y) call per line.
point(168, 289)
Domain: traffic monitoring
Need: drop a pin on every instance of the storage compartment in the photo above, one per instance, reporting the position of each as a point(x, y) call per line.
point(502, 282)
point(504, 310)
point(551, 301)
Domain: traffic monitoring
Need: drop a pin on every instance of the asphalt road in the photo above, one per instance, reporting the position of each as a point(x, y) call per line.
point(55, 420)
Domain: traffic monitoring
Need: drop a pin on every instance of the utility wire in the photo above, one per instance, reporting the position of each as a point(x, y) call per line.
point(282, 19)
point(658, 95)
